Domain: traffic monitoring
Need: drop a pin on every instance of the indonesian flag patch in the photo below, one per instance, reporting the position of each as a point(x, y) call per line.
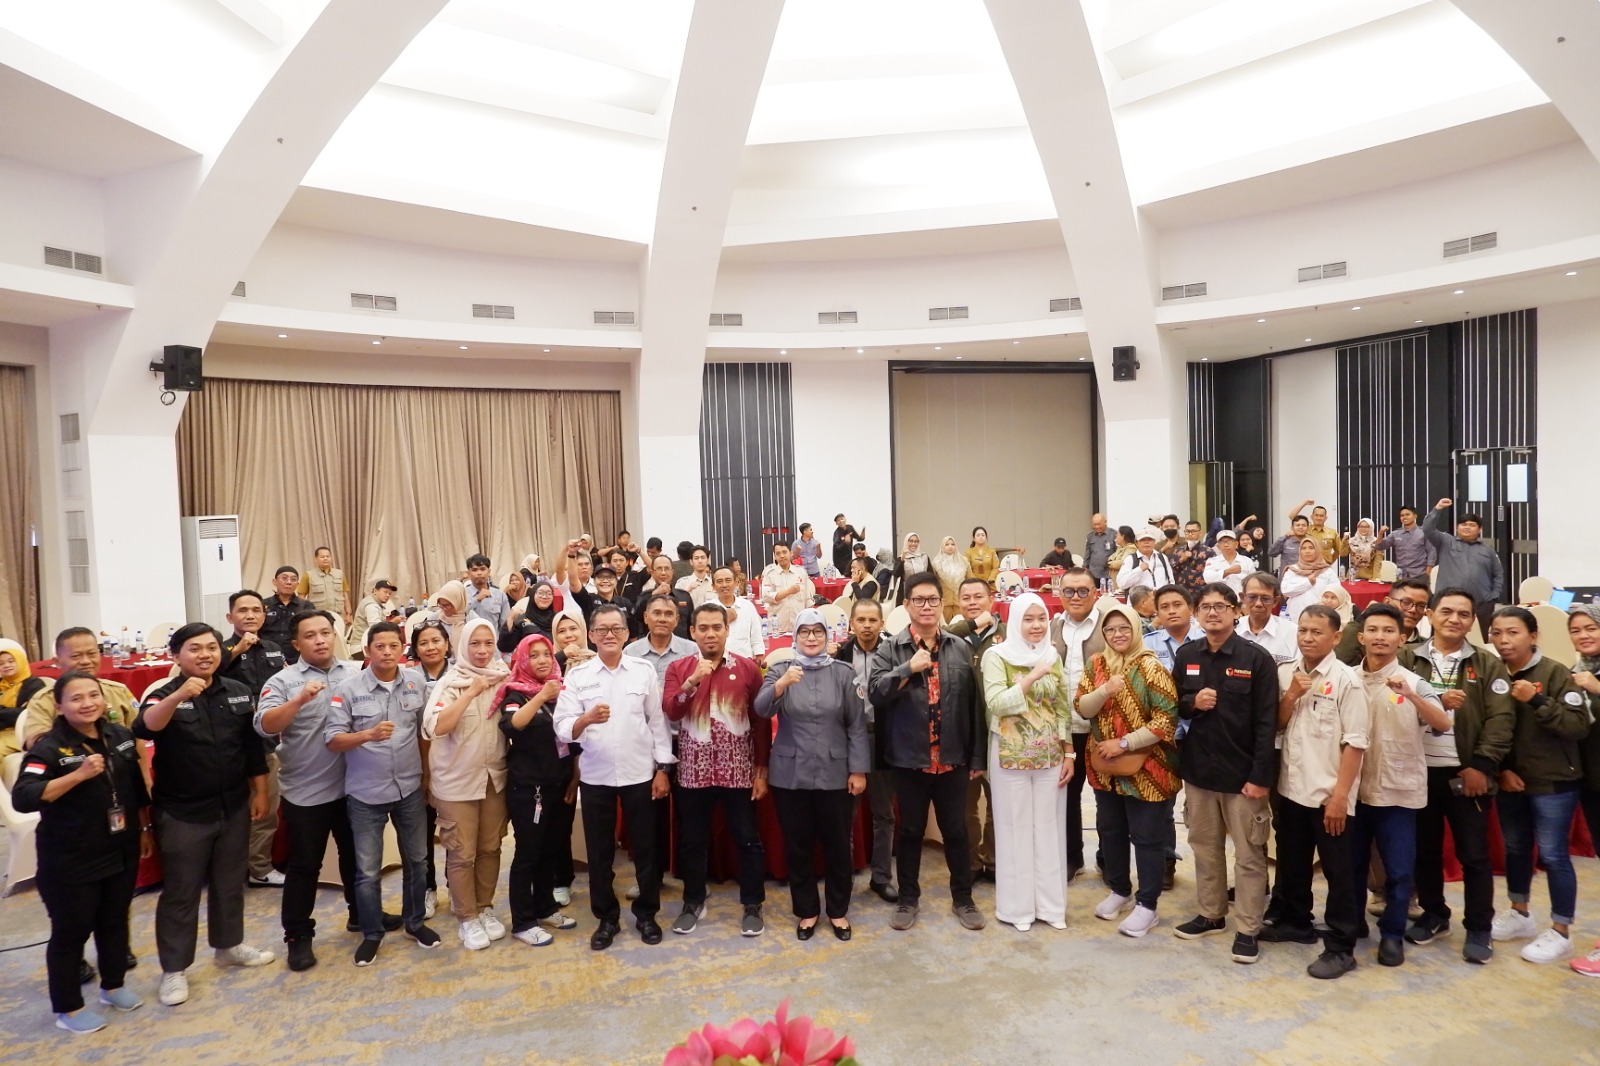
point(1193, 670)
point(33, 768)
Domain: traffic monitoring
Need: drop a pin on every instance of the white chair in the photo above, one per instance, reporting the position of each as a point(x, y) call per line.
point(1013, 561)
point(1105, 603)
point(159, 634)
point(1554, 639)
point(23, 860)
point(833, 615)
point(779, 655)
point(1010, 583)
point(1077, 560)
point(844, 602)
point(1388, 572)
point(898, 621)
point(1537, 589)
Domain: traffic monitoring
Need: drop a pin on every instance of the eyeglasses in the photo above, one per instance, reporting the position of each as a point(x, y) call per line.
point(1259, 597)
point(1407, 606)
point(924, 601)
point(1117, 631)
point(608, 631)
point(1214, 608)
point(1076, 594)
point(811, 631)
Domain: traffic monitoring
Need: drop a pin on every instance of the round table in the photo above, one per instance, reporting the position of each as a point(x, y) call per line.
point(1052, 605)
point(1364, 594)
point(137, 676)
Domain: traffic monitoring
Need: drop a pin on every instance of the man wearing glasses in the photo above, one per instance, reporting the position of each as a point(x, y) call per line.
point(1076, 634)
point(1410, 598)
point(1228, 693)
point(612, 706)
point(1262, 624)
point(926, 696)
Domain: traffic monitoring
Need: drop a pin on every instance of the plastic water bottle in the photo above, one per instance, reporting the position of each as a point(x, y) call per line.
point(411, 607)
point(138, 642)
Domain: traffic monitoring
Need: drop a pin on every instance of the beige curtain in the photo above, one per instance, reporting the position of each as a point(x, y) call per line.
point(402, 483)
point(19, 594)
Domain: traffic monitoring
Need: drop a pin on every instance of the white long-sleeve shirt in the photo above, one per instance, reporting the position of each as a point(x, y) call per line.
point(1217, 564)
point(1300, 591)
point(1157, 574)
point(625, 749)
point(744, 630)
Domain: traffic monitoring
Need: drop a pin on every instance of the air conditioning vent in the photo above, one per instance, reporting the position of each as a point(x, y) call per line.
point(57, 257)
point(829, 318)
point(725, 319)
point(613, 318)
point(1467, 245)
point(368, 302)
point(238, 290)
point(84, 261)
point(1069, 303)
point(940, 314)
point(218, 528)
point(493, 311)
point(1323, 270)
point(69, 429)
point(1184, 292)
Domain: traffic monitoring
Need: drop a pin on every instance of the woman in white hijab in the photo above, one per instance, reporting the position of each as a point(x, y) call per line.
point(467, 776)
point(951, 566)
point(1030, 764)
point(913, 560)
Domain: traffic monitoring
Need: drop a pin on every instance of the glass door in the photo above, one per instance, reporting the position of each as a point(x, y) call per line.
point(1500, 485)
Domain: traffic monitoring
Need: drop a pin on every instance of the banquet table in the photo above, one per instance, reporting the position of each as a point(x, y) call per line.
point(1038, 577)
point(1364, 594)
point(1052, 605)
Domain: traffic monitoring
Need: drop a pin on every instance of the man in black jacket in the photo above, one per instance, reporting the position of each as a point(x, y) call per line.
point(250, 661)
point(866, 635)
point(926, 699)
point(1228, 693)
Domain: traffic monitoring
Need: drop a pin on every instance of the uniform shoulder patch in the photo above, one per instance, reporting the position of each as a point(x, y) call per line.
point(1500, 686)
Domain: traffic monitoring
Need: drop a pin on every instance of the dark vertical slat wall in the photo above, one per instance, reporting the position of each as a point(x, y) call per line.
point(1228, 427)
point(747, 461)
point(1202, 412)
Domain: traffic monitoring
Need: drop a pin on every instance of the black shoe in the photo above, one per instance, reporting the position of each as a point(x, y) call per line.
point(603, 935)
point(1331, 965)
point(985, 873)
point(301, 957)
point(1170, 877)
point(424, 936)
point(1073, 870)
point(366, 951)
point(1427, 928)
point(805, 932)
point(1287, 934)
point(841, 932)
point(86, 973)
point(886, 892)
point(1245, 949)
point(133, 960)
point(649, 931)
point(1200, 926)
point(391, 924)
point(1391, 951)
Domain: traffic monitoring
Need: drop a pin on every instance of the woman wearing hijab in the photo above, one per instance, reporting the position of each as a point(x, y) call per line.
point(17, 687)
point(1127, 543)
point(539, 789)
point(467, 779)
point(1366, 560)
point(951, 566)
point(912, 560)
point(430, 650)
point(571, 639)
point(538, 619)
point(1030, 763)
point(1305, 580)
point(84, 780)
point(1132, 706)
point(982, 561)
point(1583, 626)
point(819, 763)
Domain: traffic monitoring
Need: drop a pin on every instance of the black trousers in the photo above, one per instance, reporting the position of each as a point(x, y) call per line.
point(562, 816)
point(696, 807)
point(810, 816)
point(1124, 822)
point(1301, 837)
point(78, 911)
point(1080, 742)
point(1469, 827)
point(532, 870)
point(433, 835)
point(309, 829)
point(600, 803)
point(914, 790)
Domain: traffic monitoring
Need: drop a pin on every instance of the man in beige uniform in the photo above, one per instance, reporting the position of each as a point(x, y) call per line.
point(325, 586)
point(76, 649)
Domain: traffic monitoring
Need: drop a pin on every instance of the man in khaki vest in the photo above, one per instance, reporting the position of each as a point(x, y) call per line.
point(325, 586)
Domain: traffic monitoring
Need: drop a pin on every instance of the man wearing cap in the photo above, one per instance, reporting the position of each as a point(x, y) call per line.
point(1146, 566)
point(1058, 556)
point(1227, 565)
point(282, 606)
point(374, 607)
point(1097, 548)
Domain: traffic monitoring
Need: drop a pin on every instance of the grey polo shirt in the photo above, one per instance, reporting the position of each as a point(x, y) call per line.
point(679, 648)
point(493, 610)
point(308, 773)
point(387, 771)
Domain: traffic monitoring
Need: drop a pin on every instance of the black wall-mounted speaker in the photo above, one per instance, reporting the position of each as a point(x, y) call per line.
point(180, 368)
point(1124, 363)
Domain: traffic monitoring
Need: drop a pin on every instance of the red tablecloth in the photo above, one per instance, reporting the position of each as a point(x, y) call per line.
point(1052, 604)
point(830, 588)
point(1038, 577)
point(1364, 594)
point(1579, 842)
point(137, 678)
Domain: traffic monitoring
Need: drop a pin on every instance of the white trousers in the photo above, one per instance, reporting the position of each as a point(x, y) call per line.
point(1030, 843)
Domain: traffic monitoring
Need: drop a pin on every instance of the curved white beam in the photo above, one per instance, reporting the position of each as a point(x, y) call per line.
point(1557, 43)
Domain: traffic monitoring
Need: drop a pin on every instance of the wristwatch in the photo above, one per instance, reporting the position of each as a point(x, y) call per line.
point(1124, 743)
point(664, 768)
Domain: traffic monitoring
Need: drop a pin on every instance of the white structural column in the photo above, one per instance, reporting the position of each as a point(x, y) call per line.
point(1056, 67)
point(184, 235)
point(1557, 44)
point(723, 63)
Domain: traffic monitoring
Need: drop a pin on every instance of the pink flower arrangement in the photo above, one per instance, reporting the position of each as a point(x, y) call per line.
point(784, 1041)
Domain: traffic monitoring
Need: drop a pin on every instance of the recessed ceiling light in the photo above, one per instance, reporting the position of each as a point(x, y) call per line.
point(1458, 292)
point(377, 342)
point(860, 350)
point(1260, 320)
point(1308, 340)
point(960, 357)
point(1016, 342)
point(1357, 307)
point(1205, 359)
point(1418, 322)
point(463, 347)
point(1571, 274)
point(547, 349)
point(781, 351)
point(283, 336)
point(1083, 358)
point(938, 347)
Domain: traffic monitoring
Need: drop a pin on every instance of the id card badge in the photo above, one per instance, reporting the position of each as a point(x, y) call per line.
point(117, 819)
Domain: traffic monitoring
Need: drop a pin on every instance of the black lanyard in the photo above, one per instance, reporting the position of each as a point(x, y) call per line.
point(111, 781)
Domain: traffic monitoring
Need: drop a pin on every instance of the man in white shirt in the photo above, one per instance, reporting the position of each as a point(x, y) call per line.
point(1076, 635)
point(698, 583)
point(744, 621)
point(785, 589)
point(1146, 566)
point(1227, 565)
point(1262, 624)
point(1324, 717)
point(612, 706)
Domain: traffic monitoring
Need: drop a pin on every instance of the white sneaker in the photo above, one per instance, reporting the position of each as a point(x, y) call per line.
point(1548, 947)
point(491, 924)
point(174, 989)
point(1023, 927)
point(244, 955)
point(1513, 925)
point(563, 895)
point(1108, 909)
point(1140, 922)
point(430, 904)
point(270, 879)
point(472, 934)
point(534, 937)
point(1056, 925)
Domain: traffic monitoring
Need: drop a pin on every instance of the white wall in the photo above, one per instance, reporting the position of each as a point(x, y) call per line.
point(1569, 381)
point(841, 449)
point(49, 207)
point(1304, 444)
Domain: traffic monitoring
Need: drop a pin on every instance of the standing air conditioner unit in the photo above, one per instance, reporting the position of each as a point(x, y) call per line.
point(211, 567)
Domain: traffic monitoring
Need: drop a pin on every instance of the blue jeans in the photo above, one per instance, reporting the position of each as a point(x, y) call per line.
point(1547, 821)
point(410, 817)
point(1395, 830)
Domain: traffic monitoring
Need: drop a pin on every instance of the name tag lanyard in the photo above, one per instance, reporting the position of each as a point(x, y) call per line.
point(117, 815)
